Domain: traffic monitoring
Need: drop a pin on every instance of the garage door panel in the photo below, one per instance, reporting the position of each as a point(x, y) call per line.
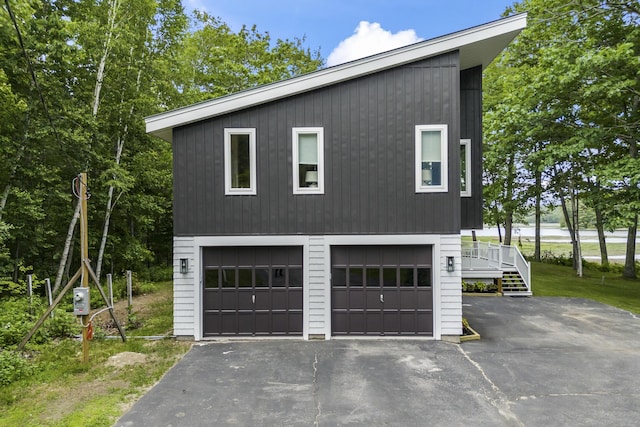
point(400, 273)
point(424, 298)
point(264, 300)
point(246, 322)
point(294, 301)
point(251, 290)
point(373, 298)
point(373, 322)
point(356, 322)
point(342, 318)
point(356, 300)
point(211, 300)
point(245, 301)
point(391, 299)
point(408, 300)
point(228, 298)
point(263, 323)
point(340, 299)
point(425, 321)
point(408, 320)
point(295, 323)
point(280, 321)
point(211, 321)
point(228, 323)
point(391, 321)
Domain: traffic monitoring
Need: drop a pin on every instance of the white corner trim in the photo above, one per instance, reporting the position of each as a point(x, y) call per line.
point(467, 172)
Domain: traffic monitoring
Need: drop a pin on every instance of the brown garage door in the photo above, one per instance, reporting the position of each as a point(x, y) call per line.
point(252, 291)
point(381, 290)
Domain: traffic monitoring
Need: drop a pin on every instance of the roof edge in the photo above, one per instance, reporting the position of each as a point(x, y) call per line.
point(162, 124)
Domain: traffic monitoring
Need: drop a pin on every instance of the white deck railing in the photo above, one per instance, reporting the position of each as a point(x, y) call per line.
point(495, 256)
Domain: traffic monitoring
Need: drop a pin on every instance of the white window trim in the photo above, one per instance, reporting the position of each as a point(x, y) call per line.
point(467, 172)
point(443, 187)
point(228, 190)
point(319, 131)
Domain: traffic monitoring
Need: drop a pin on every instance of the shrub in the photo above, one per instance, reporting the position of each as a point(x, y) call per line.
point(138, 287)
point(160, 273)
point(479, 287)
point(13, 367)
point(18, 315)
point(549, 257)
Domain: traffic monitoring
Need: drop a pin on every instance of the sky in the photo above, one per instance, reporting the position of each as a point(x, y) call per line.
point(343, 30)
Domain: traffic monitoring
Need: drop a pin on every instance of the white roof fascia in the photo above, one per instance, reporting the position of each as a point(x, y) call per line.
point(478, 46)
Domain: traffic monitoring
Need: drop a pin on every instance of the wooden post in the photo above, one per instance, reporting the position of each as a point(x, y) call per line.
point(110, 289)
point(30, 292)
point(129, 289)
point(84, 253)
point(47, 288)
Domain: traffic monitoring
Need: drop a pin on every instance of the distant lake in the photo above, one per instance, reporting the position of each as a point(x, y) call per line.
point(553, 233)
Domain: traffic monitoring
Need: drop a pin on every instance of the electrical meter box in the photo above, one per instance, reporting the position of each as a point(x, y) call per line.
point(81, 301)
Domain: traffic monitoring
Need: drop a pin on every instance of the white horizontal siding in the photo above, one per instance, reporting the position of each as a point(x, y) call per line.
point(450, 294)
point(184, 307)
point(317, 294)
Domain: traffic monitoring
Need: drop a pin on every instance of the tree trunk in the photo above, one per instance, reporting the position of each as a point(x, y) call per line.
point(103, 60)
point(567, 220)
point(604, 257)
point(536, 250)
point(577, 253)
point(499, 232)
point(508, 225)
point(14, 168)
point(3, 201)
point(629, 271)
point(67, 244)
point(110, 203)
point(508, 205)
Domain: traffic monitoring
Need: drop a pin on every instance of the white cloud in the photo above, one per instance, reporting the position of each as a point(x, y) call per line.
point(369, 39)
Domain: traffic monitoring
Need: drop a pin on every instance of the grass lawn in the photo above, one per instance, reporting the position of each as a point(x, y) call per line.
point(606, 287)
point(62, 391)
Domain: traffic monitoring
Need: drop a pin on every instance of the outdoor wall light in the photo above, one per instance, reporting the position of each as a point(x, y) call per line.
point(184, 265)
point(451, 266)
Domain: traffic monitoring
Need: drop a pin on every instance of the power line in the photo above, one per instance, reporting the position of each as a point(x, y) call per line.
point(31, 71)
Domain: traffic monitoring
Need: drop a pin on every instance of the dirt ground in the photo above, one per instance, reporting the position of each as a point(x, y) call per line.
point(141, 306)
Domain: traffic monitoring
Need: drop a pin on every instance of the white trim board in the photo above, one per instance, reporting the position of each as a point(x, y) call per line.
point(478, 46)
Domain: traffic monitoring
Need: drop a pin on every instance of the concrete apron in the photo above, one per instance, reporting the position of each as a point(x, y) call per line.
point(540, 362)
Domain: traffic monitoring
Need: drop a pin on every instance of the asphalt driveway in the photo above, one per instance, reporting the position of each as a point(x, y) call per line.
point(540, 362)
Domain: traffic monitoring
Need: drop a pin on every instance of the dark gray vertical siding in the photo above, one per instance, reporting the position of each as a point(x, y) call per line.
point(471, 128)
point(369, 127)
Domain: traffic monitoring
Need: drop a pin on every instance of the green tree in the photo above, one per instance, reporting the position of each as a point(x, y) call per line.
point(575, 98)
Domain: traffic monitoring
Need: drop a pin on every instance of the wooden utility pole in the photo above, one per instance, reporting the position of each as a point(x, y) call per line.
point(84, 273)
point(84, 251)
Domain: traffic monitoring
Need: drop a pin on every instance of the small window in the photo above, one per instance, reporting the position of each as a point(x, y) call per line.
point(431, 158)
point(465, 168)
point(308, 160)
point(240, 161)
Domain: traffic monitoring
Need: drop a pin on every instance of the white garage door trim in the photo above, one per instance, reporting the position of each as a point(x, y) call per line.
point(433, 240)
point(200, 242)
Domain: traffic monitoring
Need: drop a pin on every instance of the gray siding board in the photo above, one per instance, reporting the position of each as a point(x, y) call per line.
point(471, 128)
point(369, 126)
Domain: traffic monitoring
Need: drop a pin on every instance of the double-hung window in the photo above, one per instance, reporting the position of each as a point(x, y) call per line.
point(431, 158)
point(240, 161)
point(308, 160)
point(465, 168)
